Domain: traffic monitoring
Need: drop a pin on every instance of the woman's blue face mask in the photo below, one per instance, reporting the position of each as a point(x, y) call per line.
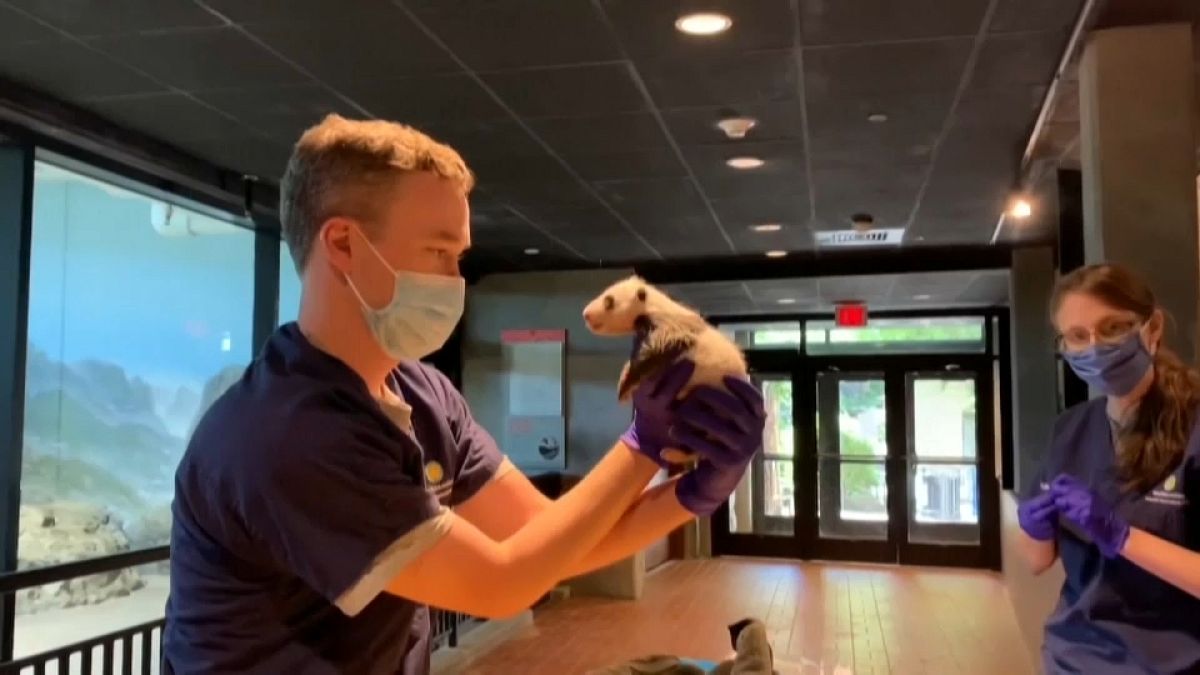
point(1114, 369)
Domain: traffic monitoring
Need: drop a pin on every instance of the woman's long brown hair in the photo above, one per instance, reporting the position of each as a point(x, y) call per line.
point(1153, 445)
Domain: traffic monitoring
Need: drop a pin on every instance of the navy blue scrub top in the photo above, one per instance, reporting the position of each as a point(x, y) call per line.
point(1112, 616)
point(295, 485)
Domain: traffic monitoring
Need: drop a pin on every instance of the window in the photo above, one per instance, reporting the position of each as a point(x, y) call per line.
point(944, 335)
point(764, 335)
point(289, 286)
point(140, 316)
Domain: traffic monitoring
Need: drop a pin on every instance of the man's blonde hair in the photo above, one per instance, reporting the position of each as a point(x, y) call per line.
point(341, 167)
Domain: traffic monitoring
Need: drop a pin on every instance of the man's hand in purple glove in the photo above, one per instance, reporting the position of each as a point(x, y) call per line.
point(1038, 516)
point(1091, 513)
point(726, 430)
point(654, 411)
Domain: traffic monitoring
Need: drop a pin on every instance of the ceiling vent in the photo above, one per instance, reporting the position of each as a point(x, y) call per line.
point(856, 237)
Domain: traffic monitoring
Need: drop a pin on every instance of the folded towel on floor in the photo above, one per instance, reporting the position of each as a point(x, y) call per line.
point(753, 656)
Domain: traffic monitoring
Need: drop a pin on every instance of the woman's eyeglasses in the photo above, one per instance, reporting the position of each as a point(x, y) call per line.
point(1109, 332)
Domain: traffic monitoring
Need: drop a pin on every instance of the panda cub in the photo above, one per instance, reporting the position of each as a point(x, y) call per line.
point(664, 331)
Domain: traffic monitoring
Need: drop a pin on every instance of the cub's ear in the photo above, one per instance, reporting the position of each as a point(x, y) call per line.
point(641, 294)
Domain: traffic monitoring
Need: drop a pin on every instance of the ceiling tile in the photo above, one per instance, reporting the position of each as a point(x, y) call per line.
point(247, 154)
point(648, 28)
point(299, 12)
point(654, 198)
point(762, 209)
point(861, 21)
point(86, 18)
point(371, 42)
point(283, 113)
point(489, 35)
point(682, 237)
point(661, 162)
point(487, 141)
point(610, 247)
point(1019, 59)
point(601, 134)
point(784, 158)
point(732, 80)
point(174, 117)
point(581, 91)
point(17, 27)
point(1033, 15)
point(201, 59)
point(424, 98)
point(773, 122)
point(911, 68)
point(70, 71)
point(885, 194)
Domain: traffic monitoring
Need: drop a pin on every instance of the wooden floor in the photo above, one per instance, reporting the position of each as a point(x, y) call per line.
point(823, 618)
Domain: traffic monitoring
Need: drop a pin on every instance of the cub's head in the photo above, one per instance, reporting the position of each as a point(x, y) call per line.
point(614, 311)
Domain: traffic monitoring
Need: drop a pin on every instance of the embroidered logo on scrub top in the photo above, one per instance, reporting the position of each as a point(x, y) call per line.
point(1166, 494)
point(436, 482)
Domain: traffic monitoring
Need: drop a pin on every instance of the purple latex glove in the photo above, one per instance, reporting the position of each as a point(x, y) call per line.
point(1091, 513)
point(724, 428)
point(1038, 516)
point(654, 414)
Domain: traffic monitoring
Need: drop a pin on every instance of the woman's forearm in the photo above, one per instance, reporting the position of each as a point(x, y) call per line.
point(1039, 555)
point(1164, 559)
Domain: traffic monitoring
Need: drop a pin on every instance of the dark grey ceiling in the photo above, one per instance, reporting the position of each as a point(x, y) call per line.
point(591, 123)
point(1057, 142)
point(929, 290)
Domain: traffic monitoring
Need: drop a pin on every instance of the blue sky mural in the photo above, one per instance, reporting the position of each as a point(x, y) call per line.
point(106, 285)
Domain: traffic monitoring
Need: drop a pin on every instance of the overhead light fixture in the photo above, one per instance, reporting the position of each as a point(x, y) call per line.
point(776, 254)
point(736, 127)
point(786, 301)
point(922, 296)
point(767, 227)
point(703, 23)
point(1021, 208)
point(877, 118)
point(862, 222)
point(532, 251)
point(743, 163)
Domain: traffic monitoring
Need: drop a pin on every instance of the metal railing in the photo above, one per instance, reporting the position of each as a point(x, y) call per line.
point(138, 649)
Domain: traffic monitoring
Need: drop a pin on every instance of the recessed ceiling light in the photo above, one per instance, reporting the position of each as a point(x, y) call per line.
point(532, 251)
point(776, 254)
point(743, 163)
point(786, 301)
point(703, 23)
point(767, 227)
point(1021, 208)
point(922, 296)
point(877, 118)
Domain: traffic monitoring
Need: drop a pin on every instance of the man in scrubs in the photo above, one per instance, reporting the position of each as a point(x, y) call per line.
point(341, 486)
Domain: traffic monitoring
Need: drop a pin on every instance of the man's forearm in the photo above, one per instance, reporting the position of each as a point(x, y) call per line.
point(654, 515)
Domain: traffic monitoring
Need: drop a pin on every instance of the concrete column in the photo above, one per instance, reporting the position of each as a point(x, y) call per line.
point(1138, 142)
point(1034, 408)
point(1034, 369)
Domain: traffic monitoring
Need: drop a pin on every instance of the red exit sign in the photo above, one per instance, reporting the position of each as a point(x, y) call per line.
point(851, 315)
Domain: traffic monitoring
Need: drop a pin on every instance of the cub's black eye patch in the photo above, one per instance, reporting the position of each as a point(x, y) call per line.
point(609, 302)
point(641, 295)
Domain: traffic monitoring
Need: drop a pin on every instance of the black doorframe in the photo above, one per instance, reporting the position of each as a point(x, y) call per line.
point(803, 369)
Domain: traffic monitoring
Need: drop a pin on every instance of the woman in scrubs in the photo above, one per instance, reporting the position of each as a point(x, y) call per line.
point(1117, 498)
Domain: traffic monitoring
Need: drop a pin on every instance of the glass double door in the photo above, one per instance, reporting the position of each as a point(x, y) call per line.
point(882, 460)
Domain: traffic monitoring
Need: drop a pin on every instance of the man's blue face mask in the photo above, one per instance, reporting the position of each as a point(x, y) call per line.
point(1114, 369)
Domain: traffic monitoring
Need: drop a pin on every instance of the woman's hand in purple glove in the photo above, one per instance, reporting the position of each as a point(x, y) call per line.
point(1038, 516)
point(726, 430)
point(654, 411)
point(1091, 513)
